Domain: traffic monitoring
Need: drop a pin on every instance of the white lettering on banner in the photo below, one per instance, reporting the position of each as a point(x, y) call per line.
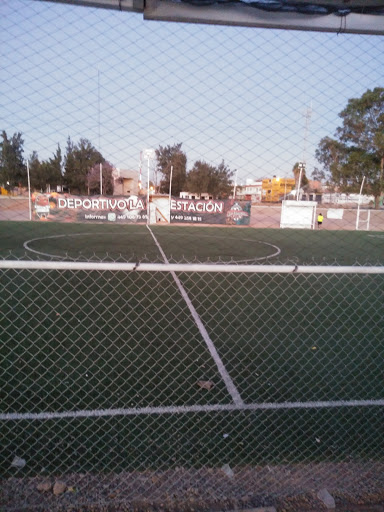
point(130, 203)
point(94, 217)
point(197, 206)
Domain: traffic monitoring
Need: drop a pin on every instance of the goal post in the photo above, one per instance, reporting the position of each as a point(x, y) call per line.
point(298, 214)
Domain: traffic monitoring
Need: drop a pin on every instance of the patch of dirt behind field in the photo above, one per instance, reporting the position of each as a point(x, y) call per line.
point(289, 488)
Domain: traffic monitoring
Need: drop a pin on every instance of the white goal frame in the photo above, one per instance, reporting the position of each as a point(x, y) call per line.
point(298, 214)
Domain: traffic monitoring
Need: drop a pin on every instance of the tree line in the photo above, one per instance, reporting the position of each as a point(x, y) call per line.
point(79, 170)
point(355, 151)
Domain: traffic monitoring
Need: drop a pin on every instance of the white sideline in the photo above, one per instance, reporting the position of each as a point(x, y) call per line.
point(188, 409)
point(187, 267)
point(232, 390)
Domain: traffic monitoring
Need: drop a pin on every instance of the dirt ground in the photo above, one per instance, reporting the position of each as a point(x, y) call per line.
point(355, 487)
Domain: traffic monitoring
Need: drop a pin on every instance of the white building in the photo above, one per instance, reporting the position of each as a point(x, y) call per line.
point(192, 195)
point(251, 191)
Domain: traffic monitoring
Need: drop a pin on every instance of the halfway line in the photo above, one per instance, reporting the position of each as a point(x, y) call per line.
point(232, 390)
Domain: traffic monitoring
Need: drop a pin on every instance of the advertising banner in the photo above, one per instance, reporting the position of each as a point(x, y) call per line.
point(66, 208)
point(195, 211)
point(133, 209)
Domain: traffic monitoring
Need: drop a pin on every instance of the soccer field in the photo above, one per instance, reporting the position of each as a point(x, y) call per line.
point(190, 244)
point(106, 370)
point(130, 370)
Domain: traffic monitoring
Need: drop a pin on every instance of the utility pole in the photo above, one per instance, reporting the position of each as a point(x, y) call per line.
point(303, 163)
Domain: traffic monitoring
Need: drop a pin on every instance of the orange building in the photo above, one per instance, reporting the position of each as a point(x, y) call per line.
point(275, 189)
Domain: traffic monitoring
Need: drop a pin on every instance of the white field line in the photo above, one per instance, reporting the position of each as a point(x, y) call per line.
point(232, 390)
point(188, 409)
point(27, 248)
point(27, 242)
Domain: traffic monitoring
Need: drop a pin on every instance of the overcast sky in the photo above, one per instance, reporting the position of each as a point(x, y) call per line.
point(233, 93)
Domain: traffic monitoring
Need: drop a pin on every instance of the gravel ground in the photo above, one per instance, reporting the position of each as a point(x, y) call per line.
point(354, 486)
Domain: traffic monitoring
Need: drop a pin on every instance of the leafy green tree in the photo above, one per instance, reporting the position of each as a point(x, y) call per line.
point(318, 175)
point(54, 170)
point(204, 177)
point(167, 157)
point(13, 170)
point(199, 178)
point(45, 175)
point(79, 159)
point(35, 173)
point(358, 149)
point(222, 181)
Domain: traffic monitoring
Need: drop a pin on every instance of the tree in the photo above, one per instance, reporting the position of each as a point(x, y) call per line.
point(93, 179)
point(358, 149)
point(167, 157)
point(79, 160)
point(222, 182)
point(13, 171)
point(54, 171)
point(35, 173)
point(45, 175)
point(199, 178)
point(216, 181)
point(318, 175)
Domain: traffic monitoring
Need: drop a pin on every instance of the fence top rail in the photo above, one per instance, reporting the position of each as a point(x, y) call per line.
point(188, 267)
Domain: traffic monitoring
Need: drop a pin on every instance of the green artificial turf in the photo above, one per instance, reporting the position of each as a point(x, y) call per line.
point(101, 340)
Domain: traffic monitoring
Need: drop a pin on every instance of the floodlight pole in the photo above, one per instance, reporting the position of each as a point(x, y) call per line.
point(148, 154)
point(234, 187)
point(29, 192)
point(101, 179)
point(301, 166)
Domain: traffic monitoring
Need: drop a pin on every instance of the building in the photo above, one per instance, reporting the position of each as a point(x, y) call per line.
point(251, 191)
point(193, 195)
point(276, 189)
point(126, 182)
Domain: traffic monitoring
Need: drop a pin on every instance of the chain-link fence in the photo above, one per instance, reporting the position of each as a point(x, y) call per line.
point(180, 330)
point(152, 387)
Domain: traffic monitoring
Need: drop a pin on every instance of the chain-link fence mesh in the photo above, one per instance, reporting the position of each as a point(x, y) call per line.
point(253, 378)
point(181, 390)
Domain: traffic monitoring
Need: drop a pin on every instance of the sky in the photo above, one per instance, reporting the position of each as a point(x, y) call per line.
point(259, 99)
